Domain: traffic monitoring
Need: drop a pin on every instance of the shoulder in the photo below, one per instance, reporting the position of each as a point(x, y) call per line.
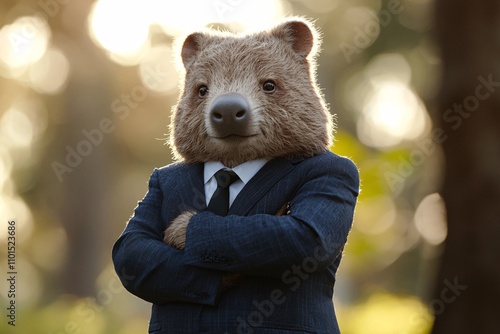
point(330, 161)
point(329, 164)
point(172, 171)
point(175, 167)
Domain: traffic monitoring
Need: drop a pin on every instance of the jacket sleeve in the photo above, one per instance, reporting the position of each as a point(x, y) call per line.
point(153, 270)
point(312, 235)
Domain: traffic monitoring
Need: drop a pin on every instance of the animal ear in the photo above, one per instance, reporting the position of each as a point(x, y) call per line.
point(300, 33)
point(190, 48)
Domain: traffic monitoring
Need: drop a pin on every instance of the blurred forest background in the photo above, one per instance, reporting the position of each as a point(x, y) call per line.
point(86, 90)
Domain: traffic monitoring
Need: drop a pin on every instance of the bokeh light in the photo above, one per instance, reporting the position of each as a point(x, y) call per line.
point(23, 42)
point(16, 128)
point(240, 15)
point(391, 111)
point(13, 206)
point(122, 28)
point(384, 313)
point(158, 72)
point(49, 74)
point(430, 219)
point(388, 67)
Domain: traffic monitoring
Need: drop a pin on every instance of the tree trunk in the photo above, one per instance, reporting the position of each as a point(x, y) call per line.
point(467, 292)
point(86, 202)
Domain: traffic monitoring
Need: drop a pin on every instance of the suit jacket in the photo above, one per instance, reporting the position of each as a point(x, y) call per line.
point(288, 263)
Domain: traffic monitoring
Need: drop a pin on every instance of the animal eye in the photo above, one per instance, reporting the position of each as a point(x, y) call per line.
point(269, 86)
point(202, 91)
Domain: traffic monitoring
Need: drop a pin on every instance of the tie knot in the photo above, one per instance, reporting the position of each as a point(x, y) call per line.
point(225, 178)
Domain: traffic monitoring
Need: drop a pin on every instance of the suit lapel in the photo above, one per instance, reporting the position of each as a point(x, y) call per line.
point(260, 184)
point(191, 188)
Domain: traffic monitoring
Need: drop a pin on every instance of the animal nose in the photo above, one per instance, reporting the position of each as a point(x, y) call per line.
point(230, 115)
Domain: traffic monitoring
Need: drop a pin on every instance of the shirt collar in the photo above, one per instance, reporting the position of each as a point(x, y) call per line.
point(245, 171)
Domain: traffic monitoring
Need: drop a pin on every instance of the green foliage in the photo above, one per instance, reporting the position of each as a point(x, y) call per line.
point(385, 313)
point(70, 315)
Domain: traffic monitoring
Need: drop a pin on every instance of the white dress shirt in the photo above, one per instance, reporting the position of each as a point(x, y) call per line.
point(245, 172)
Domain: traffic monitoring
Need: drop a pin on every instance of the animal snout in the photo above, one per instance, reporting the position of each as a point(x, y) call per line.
point(230, 115)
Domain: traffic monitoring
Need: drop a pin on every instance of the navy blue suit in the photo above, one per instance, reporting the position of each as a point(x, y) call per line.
point(288, 263)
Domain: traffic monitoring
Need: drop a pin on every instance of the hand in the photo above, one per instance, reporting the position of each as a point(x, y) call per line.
point(175, 234)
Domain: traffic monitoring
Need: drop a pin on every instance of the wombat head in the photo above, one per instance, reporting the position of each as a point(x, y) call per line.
point(250, 96)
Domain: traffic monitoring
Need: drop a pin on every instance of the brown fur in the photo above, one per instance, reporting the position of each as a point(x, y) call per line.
point(175, 234)
point(292, 121)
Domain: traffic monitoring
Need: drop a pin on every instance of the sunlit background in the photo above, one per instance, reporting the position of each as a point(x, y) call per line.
point(86, 89)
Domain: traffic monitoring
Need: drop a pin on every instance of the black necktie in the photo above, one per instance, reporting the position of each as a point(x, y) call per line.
point(219, 204)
